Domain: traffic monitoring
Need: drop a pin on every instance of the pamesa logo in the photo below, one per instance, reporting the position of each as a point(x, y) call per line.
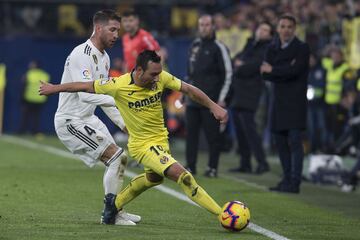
point(145, 102)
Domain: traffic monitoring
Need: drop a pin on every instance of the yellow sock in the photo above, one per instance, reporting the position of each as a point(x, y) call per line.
point(197, 193)
point(137, 185)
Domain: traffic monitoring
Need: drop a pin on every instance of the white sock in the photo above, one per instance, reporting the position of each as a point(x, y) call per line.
point(114, 172)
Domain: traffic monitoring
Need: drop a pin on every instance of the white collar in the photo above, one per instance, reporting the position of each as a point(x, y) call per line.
point(98, 52)
point(286, 44)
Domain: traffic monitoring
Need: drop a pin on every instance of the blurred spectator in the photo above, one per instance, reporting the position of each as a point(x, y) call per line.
point(247, 87)
point(335, 67)
point(287, 66)
point(117, 68)
point(231, 33)
point(222, 23)
point(209, 69)
point(316, 106)
point(68, 20)
point(136, 39)
point(183, 19)
point(32, 101)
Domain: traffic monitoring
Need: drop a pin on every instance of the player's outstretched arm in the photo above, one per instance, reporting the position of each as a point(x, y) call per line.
point(48, 88)
point(200, 97)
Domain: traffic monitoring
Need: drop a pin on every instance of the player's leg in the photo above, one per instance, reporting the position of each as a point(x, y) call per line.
point(137, 185)
point(158, 159)
point(113, 178)
point(115, 160)
point(150, 157)
point(114, 173)
point(192, 189)
point(89, 143)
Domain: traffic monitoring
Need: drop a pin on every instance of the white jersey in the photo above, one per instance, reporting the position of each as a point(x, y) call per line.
point(83, 133)
point(85, 63)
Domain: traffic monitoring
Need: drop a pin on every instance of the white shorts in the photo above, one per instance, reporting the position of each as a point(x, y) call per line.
point(87, 139)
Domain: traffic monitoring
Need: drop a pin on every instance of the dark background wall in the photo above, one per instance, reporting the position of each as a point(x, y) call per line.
point(17, 52)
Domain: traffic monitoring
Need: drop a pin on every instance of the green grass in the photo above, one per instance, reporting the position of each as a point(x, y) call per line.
point(44, 196)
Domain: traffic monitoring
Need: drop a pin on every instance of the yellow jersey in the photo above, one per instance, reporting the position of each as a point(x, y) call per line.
point(140, 107)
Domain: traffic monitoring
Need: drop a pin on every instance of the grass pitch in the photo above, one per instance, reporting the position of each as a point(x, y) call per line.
point(45, 196)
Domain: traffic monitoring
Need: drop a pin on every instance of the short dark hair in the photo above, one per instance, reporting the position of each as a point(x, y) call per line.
point(146, 56)
point(129, 13)
point(106, 15)
point(289, 17)
point(272, 31)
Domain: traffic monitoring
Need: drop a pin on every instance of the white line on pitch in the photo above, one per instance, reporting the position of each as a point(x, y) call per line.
point(167, 190)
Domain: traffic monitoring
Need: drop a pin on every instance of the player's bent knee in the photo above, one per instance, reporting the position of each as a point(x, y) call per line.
point(118, 154)
point(174, 171)
point(152, 180)
point(109, 152)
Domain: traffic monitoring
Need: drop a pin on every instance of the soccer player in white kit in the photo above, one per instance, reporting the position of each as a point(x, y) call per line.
point(83, 133)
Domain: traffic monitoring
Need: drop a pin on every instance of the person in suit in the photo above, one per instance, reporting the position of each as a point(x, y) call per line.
point(286, 65)
point(247, 86)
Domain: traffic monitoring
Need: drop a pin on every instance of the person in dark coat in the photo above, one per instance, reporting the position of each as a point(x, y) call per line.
point(286, 65)
point(247, 86)
point(209, 69)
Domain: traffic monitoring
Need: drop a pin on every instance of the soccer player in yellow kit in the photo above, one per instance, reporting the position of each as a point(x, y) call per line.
point(137, 96)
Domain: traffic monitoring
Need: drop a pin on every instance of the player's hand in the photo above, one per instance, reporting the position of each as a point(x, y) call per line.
point(220, 113)
point(46, 88)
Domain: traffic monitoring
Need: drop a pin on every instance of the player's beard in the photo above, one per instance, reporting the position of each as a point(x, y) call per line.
point(110, 43)
point(107, 43)
point(148, 85)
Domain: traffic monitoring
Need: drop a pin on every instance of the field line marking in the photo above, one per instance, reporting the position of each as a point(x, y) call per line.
point(167, 190)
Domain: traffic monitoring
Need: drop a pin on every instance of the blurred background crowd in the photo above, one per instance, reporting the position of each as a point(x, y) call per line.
point(321, 22)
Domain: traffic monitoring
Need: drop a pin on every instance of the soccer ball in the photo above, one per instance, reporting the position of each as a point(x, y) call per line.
point(235, 216)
